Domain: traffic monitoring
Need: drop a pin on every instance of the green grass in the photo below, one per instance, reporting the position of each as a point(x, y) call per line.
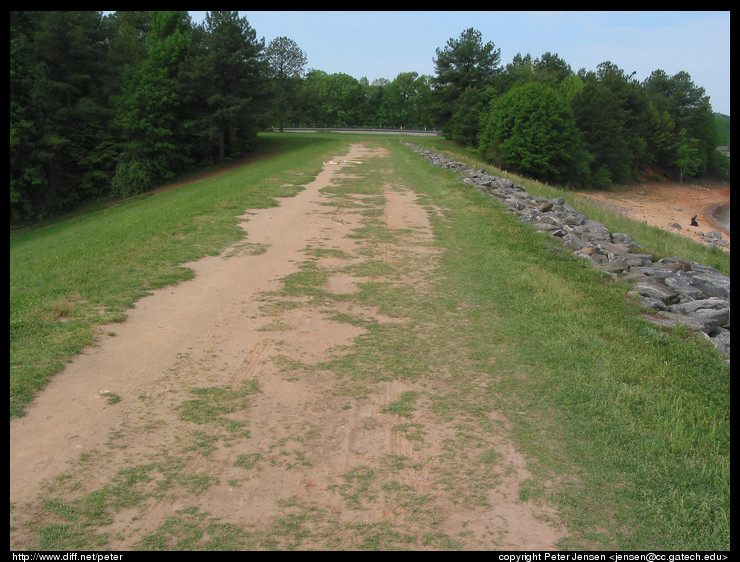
point(625, 425)
point(70, 278)
point(212, 405)
point(643, 417)
point(654, 240)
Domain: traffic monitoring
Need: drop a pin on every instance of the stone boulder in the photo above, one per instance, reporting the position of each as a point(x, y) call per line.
point(679, 291)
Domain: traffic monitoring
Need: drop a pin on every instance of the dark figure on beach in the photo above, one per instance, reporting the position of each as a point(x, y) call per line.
point(693, 221)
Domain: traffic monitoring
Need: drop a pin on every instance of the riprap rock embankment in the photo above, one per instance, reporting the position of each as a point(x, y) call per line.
point(678, 291)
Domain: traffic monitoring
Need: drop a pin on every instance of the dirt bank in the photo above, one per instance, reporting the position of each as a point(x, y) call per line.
point(661, 204)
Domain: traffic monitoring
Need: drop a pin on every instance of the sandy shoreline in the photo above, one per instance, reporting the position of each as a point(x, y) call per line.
point(666, 204)
point(709, 212)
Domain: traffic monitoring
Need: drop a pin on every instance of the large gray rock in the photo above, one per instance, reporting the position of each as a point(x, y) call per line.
point(594, 230)
point(658, 291)
point(713, 307)
point(680, 291)
point(671, 319)
point(684, 287)
point(722, 341)
point(712, 285)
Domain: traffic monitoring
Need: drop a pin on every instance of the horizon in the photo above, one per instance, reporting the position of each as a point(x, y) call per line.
point(382, 44)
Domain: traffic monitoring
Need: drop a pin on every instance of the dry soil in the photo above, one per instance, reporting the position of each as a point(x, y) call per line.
point(664, 204)
point(120, 405)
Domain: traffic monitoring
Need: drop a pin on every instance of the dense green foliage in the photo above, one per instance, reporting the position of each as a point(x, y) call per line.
point(531, 130)
point(623, 128)
point(664, 125)
point(115, 105)
point(464, 69)
point(723, 128)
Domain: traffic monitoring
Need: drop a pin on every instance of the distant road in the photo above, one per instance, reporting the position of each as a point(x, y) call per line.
point(429, 133)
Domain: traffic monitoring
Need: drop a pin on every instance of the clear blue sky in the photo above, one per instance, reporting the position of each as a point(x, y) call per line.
point(382, 44)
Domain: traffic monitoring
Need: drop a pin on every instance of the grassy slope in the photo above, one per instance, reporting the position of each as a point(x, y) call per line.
point(69, 278)
point(640, 419)
point(626, 426)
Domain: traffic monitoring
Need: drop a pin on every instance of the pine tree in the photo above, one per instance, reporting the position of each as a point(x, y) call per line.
point(150, 113)
point(464, 65)
point(228, 80)
point(59, 119)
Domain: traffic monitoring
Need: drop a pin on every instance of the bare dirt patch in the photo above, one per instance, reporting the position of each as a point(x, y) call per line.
point(662, 204)
point(213, 406)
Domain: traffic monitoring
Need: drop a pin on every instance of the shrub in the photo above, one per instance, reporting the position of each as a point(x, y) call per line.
point(131, 177)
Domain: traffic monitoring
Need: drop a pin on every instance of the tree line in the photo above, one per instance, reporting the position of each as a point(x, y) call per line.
point(114, 105)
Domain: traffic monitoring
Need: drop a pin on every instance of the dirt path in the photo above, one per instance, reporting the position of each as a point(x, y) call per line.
point(661, 204)
point(209, 406)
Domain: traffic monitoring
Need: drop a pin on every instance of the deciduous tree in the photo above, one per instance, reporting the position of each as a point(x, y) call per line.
point(286, 65)
point(150, 113)
point(689, 108)
point(601, 121)
point(531, 131)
